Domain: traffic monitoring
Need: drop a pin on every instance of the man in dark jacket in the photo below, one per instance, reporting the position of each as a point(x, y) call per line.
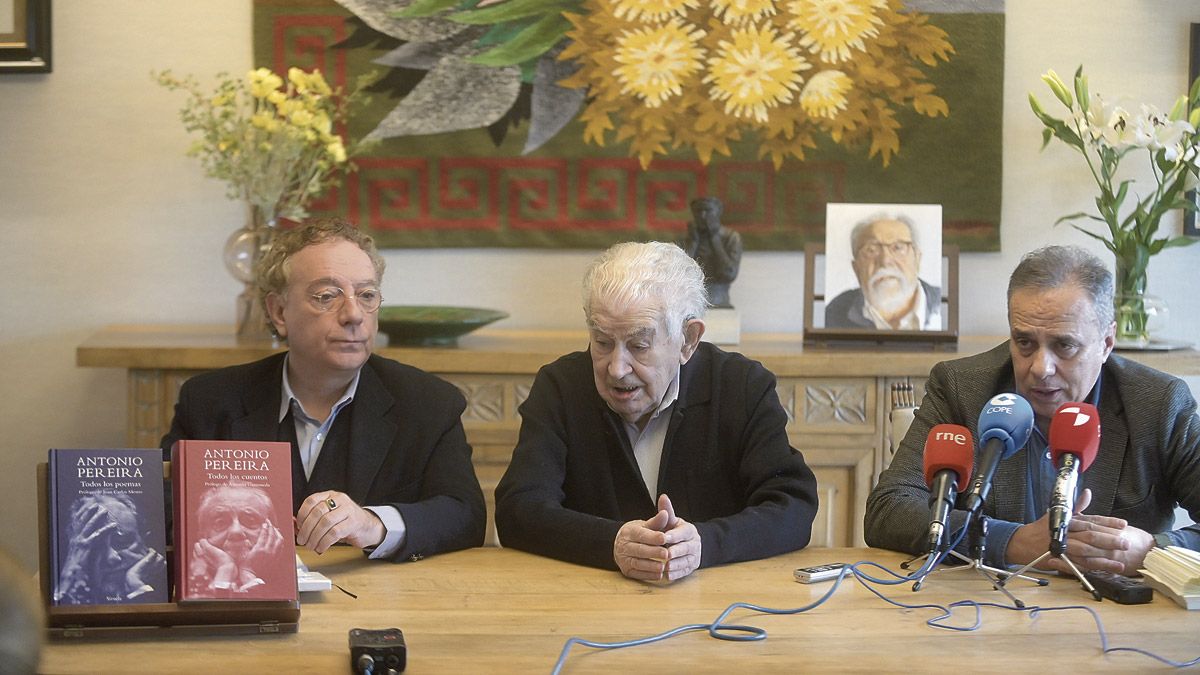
point(379, 456)
point(653, 453)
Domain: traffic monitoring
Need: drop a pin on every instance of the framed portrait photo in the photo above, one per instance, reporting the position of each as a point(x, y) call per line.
point(24, 36)
point(882, 276)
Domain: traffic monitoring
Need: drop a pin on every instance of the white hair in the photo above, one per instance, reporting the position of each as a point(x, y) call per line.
point(861, 228)
point(654, 277)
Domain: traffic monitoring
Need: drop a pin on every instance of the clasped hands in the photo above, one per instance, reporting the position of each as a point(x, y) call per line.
point(1093, 542)
point(665, 547)
point(326, 518)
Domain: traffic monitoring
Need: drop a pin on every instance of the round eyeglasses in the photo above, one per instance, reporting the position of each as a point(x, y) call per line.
point(332, 299)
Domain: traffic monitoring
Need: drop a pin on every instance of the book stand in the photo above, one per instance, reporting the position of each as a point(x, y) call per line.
point(229, 617)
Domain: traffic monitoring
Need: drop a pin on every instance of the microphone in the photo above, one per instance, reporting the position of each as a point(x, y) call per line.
point(1004, 425)
point(1074, 440)
point(948, 460)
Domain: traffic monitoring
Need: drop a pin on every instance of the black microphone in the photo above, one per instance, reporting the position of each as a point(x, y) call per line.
point(948, 459)
point(1004, 425)
point(1074, 440)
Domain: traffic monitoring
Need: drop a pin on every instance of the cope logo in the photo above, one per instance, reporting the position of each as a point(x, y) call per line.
point(1081, 417)
point(1002, 403)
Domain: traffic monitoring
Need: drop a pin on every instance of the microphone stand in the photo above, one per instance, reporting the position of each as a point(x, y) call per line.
point(977, 527)
point(1087, 586)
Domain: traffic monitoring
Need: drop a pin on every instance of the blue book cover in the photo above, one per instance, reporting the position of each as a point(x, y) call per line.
point(107, 527)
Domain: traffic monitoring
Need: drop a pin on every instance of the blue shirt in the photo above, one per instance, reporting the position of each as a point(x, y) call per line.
point(1041, 474)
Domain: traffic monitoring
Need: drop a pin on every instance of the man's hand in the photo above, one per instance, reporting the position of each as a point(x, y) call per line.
point(1093, 542)
point(325, 518)
point(663, 547)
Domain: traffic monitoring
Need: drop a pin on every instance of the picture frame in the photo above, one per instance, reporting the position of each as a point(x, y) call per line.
point(1191, 226)
point(814, 301)
point(25, 36)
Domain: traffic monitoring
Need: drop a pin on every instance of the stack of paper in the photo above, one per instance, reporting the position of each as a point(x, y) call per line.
point(308, 580)
point(1175, 572)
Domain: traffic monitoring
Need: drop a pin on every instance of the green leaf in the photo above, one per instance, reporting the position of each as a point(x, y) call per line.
point(1097, 237)
point(1073, 216)
point(1081, 89)
point(511, 11)
point(423, 8)
point(1179, 241)
point(530, 43)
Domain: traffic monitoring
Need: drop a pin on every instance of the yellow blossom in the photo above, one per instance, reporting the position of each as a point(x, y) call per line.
point(301, 118)
point(825, 93)
point(262, 82)
point(336, 150)
point(656, 60)
point(321, 122)
point(650, 10)
point(758, 70)
point(831, 28)
point(737, 12)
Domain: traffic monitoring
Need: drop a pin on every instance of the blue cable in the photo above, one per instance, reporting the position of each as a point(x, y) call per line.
point(743, 633)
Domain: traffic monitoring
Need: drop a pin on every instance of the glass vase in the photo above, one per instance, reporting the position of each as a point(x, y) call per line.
point(1138, 314)
point(244, 251)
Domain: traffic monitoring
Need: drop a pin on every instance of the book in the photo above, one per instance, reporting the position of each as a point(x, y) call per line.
point(107, 536)
point(234, 533)
point(1174, 572)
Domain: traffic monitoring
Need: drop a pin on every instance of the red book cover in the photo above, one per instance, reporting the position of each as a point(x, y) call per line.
point(234, 534)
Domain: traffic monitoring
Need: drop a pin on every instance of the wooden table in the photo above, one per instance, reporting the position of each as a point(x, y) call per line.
point(497, 610)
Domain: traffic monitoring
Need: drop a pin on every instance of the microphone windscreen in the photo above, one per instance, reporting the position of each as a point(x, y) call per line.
point(1008, 418)
point(1075, 429)
point(949, 446)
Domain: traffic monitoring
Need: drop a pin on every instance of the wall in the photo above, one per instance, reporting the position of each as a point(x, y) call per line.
point(103, 220)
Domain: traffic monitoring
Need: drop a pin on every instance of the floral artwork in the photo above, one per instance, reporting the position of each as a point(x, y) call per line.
point(584, 122)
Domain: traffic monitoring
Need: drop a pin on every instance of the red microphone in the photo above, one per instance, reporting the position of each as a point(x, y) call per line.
point(1074, 441)
point(949, 458)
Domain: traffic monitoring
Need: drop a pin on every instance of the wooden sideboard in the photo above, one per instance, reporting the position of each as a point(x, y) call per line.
point(837, 399)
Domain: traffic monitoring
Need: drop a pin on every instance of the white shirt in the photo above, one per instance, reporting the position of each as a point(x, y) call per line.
point(310, 439)
point(648, 442)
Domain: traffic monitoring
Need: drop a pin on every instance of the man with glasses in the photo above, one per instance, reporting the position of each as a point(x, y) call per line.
point(379, 456)
point(890, 295)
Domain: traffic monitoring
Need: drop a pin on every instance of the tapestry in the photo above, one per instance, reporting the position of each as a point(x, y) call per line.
point(581, 123)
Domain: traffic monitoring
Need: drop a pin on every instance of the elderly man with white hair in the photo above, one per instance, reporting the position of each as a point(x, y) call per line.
point(890, 295)
point(653, 453)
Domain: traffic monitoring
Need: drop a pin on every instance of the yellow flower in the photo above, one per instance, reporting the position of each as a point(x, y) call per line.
point(301, 118)
point(656, 60)
point(650, 10)
point(336, 150)
point(265, 121)
point(737, 12)
point(262, 82)
point(758, 70)
point(825, 94)
point(831, 28)
point(277, 97)
point(321, 122)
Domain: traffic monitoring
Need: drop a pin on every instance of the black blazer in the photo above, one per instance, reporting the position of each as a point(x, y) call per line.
point(407, 445)
point(726, 465)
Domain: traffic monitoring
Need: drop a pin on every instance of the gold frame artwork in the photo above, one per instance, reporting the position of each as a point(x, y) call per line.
point(819, 336)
